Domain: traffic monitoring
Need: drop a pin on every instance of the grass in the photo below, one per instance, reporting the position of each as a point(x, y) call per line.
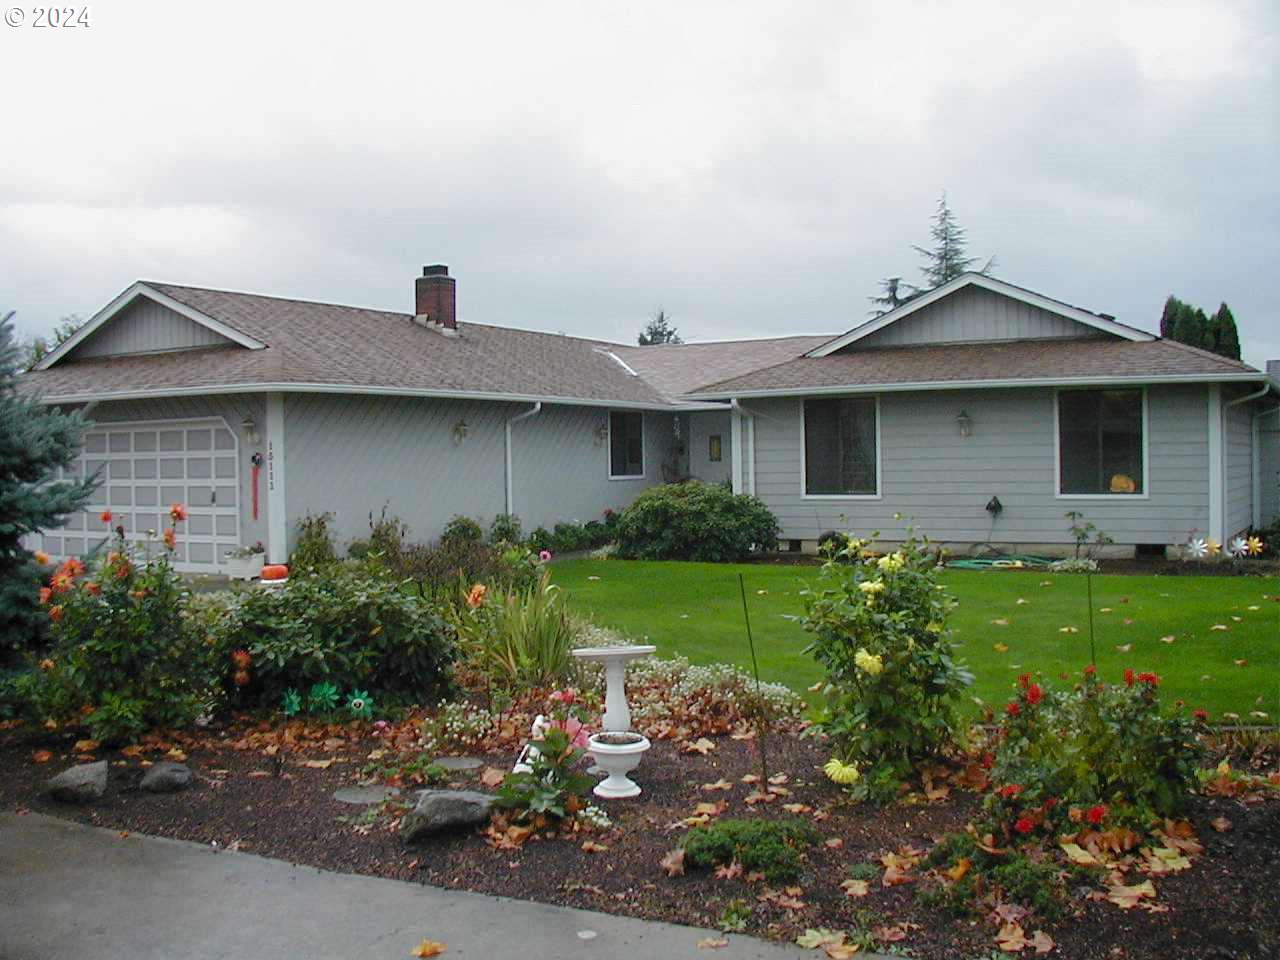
point(694, 609)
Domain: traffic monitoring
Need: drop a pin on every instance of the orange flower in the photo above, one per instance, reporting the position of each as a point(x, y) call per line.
point(139, 594)
point(241, 659)
point(123, 570)
point(177, 513)
point(93, 588)
point(43, 558)
point(241, 678)
point(45, 594)
point(61, 582)
point(72, 566)
point(105, 516)
point(170, 538)
point(476, 596)
point(55, 612)
point(46, 664)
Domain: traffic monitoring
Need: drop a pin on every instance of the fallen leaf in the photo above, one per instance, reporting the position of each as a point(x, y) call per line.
point(321, 765)
point(87, 746)
point(1127, 897)
point(1123, 647)
point(712, 943)
point(1042, 942)
point(957, 873)
point(1077, 854)
point(813, 939)
point(590, 846)
point(797, 808)
point(729, 872)
point(1221, 824)
point(1021, 601)
point(841, 951)
point(896, 876)
point(701, 746)
point(176, 754)
point(757, 796)
point(673, 863)
point(721, 784)
point(1168, 638)
point(492, 777)
point(1241, 663)
point(705, 809)
point(890, 934)
point(855, 888)
point(833, 843)
point(1011, 938)
point(1000, 622)
point(1219, 626)
point(1068, 629)
point(429, 948)
point(1000, 647)
point(42, 756)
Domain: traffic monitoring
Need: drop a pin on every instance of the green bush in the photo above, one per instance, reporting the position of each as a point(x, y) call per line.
point(1098, 754)
point(523, 638)
point(771, 846)
point(1009, 876)
point(348, 625)
point(462, 529)
point(505, 530)
point(892, 682)
point(695, 521)
point(123, 645)
point(448, 570)
point(313, 549)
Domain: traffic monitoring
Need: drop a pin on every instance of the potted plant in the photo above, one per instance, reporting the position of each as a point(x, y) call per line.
point(617, 753)
point(244, 563)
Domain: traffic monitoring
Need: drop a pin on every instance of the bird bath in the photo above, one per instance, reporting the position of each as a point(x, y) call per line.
point(617, 713)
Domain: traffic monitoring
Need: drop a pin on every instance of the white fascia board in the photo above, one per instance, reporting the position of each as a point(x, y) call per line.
point(987, 283)
point(140, 289)
point(852, 388)
point(364, 390)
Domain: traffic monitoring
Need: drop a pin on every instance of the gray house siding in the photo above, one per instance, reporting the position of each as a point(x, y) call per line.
point(351, 456)
point(1269, 475)
point(973, 314)
point(1239, 467)
point(703, 426)
point(942, 481)
point(147, 327)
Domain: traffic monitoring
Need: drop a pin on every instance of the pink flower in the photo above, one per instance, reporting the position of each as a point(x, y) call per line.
point(567, 696)
point(578, 734)
point(544, 555)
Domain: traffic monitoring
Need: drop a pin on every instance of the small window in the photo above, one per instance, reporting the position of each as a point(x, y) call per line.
point(715, 449)
point(626, 445)
point(1100, 443)
point(840, 455)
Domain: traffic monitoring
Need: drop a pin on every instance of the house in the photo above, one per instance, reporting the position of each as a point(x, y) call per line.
point(256, 411)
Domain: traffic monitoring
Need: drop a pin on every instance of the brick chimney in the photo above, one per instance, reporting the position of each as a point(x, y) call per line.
point(435, 300)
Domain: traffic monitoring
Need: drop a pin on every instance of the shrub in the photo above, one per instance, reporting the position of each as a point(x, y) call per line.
point(695, 521)
point(505, 529)
point(313, 549)
point(892, 682)
point(552, 787)
point(771, 846)
point(348, 626)
point(450, 569)
point(1099, 754)
point(522, 638)
point(1009, 876)
point(123, 645)
point(462, 529)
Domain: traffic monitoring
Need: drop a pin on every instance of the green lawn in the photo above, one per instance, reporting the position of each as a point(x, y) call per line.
point(695, 609)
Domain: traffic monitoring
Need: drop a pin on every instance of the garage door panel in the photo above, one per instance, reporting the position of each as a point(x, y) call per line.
point(226, 496)
point(120, 496)
point(145, 469)
point(199, 439)
point(223, 440)
point(199, 468)
point(119, 443)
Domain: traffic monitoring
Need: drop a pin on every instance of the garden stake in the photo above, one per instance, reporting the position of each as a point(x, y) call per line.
point(755, 666)
point(1093, 656)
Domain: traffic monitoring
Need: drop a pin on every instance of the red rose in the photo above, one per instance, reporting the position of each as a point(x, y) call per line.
point(1096, 814)
point(1090, 670)
point(1035, 693)
point(1024, 680)
point(988, 761)
point(1150, 678)
point(1202, 715)
point(1010, 790)
point(1128, 677)
point(1024, 825)
point(1013, 709)
point(1050, 803)
point(105, 517)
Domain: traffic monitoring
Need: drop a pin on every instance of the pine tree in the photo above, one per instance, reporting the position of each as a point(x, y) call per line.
point(946, 260)
point(659, 330)
point(35, 441)
point(1226, 338)
point(1169, 317)
point(893, 294)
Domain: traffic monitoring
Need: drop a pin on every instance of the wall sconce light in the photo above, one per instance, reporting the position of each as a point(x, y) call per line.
point(602, 434)
point(964, 423)
point(459, 432)
point(250, 431)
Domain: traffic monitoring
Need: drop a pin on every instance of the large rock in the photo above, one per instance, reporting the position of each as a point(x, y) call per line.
point(440, 810)
point(81, 784)
point(166, 777)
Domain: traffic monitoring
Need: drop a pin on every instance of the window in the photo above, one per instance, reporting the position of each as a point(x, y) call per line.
point(1100, 443)
point(840, 448)
point(626, 445)
point(715, 448)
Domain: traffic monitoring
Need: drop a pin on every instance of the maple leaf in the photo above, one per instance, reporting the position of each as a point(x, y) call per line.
point(428, 948)
point(821, 937)
point(1000, 647)
point(1000, 622)
point(1168, 638)
point(176, 754)
point(957, 873)
point(895, 876)
point(712, 943)
point(721, 784)
point(855, 888)
point(42, 756)
point(1221, 824)
point(710, 809)
point(751, 778)
point(730, 872)
point(1041, 942)
point(1077, 854)
point(797, 808)
point(87, 746)
point(1127, 897)
point(890, 934)
point(1123, 647)
point(841, 951)
point(492, 777)
point(833, 843)
point(1009, 913)
point(701, 746)
point(757, 796)
point(673, 863)
point(319, 764)
point(590, 846)
point(1011, 938)
point(1020, 601)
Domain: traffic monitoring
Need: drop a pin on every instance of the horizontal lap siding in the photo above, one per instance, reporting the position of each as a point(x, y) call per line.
point(1239, 489)
point(943, 481)
point(1269, 441)
point(702, 426)
point(973, 314)
point(147, 327)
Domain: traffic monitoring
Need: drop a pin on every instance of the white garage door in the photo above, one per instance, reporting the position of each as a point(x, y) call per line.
point(146, 467)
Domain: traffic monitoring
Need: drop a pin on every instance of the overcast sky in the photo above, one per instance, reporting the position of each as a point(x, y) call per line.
point(751, 168)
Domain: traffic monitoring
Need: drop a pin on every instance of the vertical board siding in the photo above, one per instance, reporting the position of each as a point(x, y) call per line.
point(973, 314)
point(147, 327)
point(942, 481)
point(1269, 442)
point(1238, 436)
point(701, 428)
point(352, 456)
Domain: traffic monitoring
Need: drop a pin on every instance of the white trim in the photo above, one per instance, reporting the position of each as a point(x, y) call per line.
point(735, 449)
point(509, 477)
point(914, 385)
point(749, 440)
point(140, 289)
point(987, 283)
point(609, 449)
point(1255, 471)
point(277, 509)
point(1057, 456)
point(618, 360)
point(1217, 466)
point(804, 480)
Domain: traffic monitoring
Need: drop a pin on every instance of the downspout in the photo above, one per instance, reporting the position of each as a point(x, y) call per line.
point(745, 449)
point(510, 489)
point(1255, 513)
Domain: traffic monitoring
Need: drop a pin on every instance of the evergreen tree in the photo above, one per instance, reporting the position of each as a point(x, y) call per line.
point(659, 330)
point(35, 441)
point(1192, 328)
point(947, 259)
point(1169, 317)
point(1226, 338)
point(893, 293)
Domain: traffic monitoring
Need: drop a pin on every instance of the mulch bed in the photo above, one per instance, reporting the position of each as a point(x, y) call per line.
point(1226, 906)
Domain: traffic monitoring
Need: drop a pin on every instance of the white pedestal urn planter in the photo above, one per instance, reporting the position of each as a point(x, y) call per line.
point(617, 754)
point(617, 713)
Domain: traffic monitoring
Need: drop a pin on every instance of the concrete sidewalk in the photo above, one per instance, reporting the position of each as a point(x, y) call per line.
point(68, 890)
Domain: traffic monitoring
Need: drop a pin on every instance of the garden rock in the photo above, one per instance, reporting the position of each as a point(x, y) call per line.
point(81, 784)
point(166, 777)
point(459, 763)
point(440, 810)
point(364, 796)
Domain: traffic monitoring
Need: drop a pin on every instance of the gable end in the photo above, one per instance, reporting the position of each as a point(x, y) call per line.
point(145, 326)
